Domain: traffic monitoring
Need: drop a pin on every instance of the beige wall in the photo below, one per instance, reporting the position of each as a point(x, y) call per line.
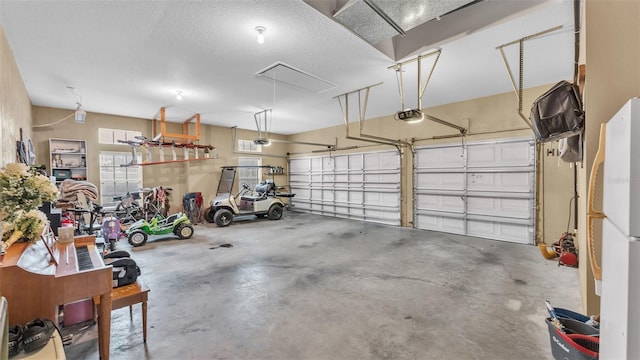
point(183, 177)
point(15, 106)
point(612, 77)
point(491, 117)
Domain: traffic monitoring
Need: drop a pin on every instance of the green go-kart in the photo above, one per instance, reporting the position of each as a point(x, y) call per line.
point(177, 224)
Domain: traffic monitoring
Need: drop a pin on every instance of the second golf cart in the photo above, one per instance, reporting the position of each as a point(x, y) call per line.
point(263, 201)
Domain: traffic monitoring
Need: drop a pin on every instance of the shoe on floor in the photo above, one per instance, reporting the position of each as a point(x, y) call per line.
point(15, 340)
point(37, 334)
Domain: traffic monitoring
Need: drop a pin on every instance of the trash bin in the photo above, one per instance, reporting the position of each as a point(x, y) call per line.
point(578, 341)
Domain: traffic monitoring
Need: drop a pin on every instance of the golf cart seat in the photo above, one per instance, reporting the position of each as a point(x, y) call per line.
point(266, 187)
point(262, 190)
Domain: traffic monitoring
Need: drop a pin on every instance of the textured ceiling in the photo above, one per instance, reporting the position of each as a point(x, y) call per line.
point(129, 58)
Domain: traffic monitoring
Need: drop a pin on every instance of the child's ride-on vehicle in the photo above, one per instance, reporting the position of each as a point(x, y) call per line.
point(177, 224)
point(111, 231)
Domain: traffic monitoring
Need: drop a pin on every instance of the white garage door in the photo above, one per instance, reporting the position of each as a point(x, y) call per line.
point(363, 186)
point(484, 189)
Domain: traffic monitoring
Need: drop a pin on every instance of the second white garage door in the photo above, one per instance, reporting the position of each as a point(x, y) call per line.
point(484, 189)
point(363, 186)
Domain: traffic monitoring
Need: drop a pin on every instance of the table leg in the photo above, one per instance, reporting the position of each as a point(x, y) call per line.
point(104, 325)
point(144, 321)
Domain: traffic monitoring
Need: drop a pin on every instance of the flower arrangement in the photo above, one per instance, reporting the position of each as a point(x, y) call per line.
point(22, 191)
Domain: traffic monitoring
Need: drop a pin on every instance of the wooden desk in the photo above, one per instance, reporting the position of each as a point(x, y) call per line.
point(129, 295)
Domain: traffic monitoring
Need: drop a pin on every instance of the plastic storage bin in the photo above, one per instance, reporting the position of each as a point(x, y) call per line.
point(573, 346)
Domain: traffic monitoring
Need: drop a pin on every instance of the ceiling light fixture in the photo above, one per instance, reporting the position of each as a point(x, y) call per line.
point(80, 115)
point(261, 30)
point(179, 96)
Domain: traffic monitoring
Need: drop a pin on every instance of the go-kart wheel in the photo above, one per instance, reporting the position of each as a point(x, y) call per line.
point(208, 215)
point(138, 238)
point(184, 231)
point(275, 212)
point(223, 217)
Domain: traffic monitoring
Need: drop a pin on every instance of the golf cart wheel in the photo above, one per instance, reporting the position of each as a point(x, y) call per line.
point(138, 238)
point(184, 231)
point(208, 214)
point(275, 212)
point(223, 217)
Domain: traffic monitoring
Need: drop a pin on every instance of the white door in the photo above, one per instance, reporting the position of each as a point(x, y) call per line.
point(484, 189)
point(363, 186)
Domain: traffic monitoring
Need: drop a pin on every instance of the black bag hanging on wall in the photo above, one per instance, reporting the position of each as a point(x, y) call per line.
point(558, 113)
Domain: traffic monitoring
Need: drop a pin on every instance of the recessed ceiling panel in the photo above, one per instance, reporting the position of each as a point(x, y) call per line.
point(288, 75)
point(379, 20)
point(362, 19)
point(411, 13)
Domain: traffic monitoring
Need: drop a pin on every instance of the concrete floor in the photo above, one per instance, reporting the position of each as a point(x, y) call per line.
point(312, 287)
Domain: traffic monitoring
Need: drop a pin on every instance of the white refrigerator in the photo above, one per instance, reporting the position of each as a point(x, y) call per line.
point(620, 296)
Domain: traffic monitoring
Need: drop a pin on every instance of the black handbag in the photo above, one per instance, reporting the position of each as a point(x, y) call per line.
point(558, 113)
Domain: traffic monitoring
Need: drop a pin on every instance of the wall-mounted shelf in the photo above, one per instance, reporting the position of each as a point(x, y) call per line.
point(68, 159)
point(165, 162)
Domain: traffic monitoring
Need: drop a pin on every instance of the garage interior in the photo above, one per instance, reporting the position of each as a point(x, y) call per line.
point(403, 240)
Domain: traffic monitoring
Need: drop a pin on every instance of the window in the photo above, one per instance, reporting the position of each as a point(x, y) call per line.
point(111, 136)
point(117, 180)
point(248, 146)
point(251, 175)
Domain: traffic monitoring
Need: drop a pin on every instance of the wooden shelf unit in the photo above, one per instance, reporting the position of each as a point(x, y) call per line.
point(68, 159)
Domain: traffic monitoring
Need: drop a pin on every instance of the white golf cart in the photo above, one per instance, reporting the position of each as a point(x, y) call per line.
point(263, 201)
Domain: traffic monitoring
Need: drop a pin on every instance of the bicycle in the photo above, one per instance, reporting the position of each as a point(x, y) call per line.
point(156, 202)
point(128, 211)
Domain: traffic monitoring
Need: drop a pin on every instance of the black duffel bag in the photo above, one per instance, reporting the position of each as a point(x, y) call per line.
point(125, 269)
point(558, 113)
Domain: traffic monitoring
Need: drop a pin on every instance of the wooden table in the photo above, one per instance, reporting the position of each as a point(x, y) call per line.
point(130, 295)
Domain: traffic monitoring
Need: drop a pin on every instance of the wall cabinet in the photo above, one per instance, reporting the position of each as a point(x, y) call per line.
point(68, 159)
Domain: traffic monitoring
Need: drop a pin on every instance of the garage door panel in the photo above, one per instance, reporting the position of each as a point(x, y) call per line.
point(382, 178)
point(316, 164)
point(341, 196)
point(328, 178)
point(505, 154)
point(383, 199)
point(500, 182)
point(381, 160)
point(356, 197)
point(341, 162)
point(355, 179)
point(515, 208)
point(301, 193)
point(440, 223)
point(327, 195)
point(491, 189)
point(440, 203)
point(355, 162)
point(381, 216)
point(299, 165)
point(299, 178)
point(500, 231)
point(441, 181)
point(440, 158)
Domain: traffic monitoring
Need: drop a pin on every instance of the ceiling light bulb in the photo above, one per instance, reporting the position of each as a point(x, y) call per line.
point(261, 30)
point(179, 96)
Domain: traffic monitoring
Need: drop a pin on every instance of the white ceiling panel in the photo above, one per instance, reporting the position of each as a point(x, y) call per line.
point(130, 57)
